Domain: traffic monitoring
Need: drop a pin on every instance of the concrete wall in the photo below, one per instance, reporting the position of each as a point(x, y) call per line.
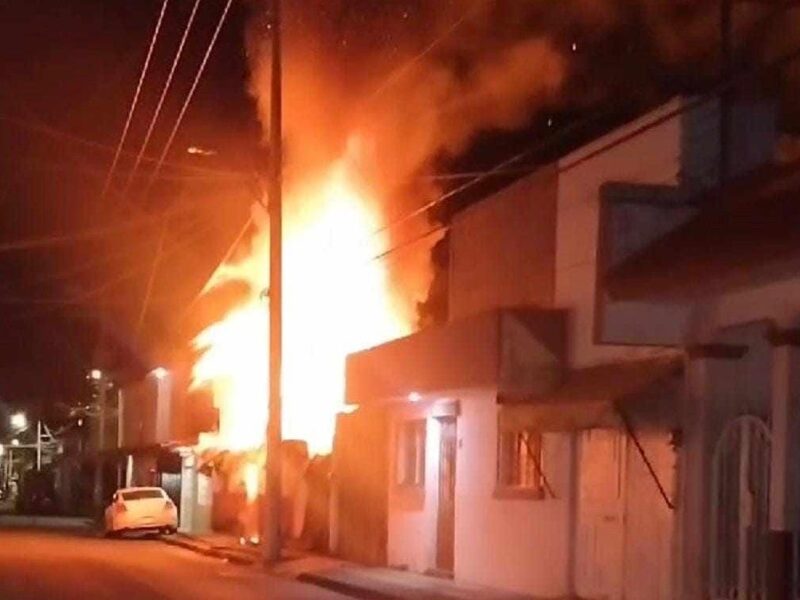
point(512, 544)
point(653, 157)
point(520, 545)
point(413, 511)
point(502, 249)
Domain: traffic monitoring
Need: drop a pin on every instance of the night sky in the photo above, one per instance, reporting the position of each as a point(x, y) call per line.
point(68, 71)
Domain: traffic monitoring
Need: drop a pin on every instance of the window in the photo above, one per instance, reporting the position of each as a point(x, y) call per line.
point(411, 453)
point(519, 464)
point(144, 494)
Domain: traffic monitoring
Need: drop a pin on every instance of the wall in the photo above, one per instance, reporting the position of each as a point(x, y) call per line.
point(360, 481)
point(520, 545)
point(413, 512)
point(652, 157)
point(502, 249)
point(509, 544)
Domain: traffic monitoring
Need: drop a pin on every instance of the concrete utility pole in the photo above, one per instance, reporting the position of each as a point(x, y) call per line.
point(101, 439)
point(271, 537)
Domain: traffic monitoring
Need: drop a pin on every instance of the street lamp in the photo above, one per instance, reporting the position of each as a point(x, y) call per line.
point(160, 373)
point(96, 374)
point(19, 421)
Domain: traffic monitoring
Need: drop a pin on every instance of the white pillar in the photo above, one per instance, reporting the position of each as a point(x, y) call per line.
point(188, 491)
point(785, 475)
point(784, 493)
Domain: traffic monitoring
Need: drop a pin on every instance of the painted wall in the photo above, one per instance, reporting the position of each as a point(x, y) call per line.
point(510, 544)
point(502, 249)
point(413, 511)
point(653, 157)
point(520, 545)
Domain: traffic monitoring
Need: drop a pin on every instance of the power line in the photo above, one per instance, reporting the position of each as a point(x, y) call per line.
point(152, 277)
point(164, 92)
point(135, 100)
point(655, 122)
point(84, 297)
point(87, 234)
point(66, 136)
point(398, 73)
point(189, 96)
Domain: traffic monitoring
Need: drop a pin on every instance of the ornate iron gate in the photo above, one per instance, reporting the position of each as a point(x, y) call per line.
point(740, 511)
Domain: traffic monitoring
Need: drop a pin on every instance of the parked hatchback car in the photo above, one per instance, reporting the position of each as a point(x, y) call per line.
point(142, 509)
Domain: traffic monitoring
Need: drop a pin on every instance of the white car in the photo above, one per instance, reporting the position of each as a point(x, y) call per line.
point(141, 509)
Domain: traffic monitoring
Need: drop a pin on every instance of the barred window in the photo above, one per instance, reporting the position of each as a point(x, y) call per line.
point(519, 462)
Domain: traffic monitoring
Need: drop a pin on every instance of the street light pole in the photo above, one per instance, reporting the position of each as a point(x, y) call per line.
point(39, 445)
point(101, 441)
point(272, 497)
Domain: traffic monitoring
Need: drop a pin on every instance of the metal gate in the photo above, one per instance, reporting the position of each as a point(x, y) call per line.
point(740, 511)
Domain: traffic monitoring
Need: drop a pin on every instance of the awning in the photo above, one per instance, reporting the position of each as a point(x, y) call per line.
point(592, 397)
point(513, 351)
point(748, 233)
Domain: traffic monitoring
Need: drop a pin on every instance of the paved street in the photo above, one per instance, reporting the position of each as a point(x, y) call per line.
point(61, 564)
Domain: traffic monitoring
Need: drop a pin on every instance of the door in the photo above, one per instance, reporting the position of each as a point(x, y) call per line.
point(740, 511)
point(445, 525)
point(601, 512)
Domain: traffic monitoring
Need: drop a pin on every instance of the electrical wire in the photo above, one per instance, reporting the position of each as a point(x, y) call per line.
point(164, 91)
point(135, 100)
point(563, 168)
point(152, 277)
point(79, 236)
point(182, 113)
point(47, 130)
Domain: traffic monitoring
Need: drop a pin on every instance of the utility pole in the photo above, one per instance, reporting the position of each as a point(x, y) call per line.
point(101, 439)
point(272, 498)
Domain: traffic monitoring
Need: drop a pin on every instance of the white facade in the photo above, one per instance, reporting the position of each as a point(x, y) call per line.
point(630, 514)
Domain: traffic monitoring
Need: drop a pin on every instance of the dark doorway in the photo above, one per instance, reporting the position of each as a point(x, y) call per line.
point(445, 529)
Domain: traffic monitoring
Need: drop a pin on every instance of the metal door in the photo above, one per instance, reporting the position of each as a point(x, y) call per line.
point(740, 511)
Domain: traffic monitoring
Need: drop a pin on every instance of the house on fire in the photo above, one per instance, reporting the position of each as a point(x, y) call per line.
point(611, 410)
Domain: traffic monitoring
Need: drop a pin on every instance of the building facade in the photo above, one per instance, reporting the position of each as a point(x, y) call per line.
point(575, 430)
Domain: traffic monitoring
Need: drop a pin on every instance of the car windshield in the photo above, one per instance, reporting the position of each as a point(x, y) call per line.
point(142, 494)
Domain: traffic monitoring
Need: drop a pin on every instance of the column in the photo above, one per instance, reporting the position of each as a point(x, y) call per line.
point(785, 461)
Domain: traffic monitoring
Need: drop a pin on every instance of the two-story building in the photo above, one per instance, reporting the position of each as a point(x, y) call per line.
point(599, 414)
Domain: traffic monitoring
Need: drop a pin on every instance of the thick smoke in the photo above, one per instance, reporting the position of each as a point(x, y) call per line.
point(397, 85)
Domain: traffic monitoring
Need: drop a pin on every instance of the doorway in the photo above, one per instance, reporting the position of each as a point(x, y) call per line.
point(601, 508)
point(446, 515)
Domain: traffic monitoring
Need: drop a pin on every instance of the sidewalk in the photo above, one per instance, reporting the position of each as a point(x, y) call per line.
point(369, 583)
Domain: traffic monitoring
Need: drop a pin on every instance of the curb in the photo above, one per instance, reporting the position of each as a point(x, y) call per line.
point(348, 589)
point(221, 553)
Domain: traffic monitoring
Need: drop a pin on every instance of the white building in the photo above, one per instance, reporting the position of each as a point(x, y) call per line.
point(595, 419)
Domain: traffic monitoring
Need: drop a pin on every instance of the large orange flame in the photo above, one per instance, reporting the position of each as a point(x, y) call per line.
point(336, 300)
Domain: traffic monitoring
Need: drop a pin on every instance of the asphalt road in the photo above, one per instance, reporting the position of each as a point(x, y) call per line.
point(75, 564)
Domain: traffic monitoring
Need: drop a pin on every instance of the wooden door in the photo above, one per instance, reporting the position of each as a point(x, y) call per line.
point(445, 530)
point(600, 544)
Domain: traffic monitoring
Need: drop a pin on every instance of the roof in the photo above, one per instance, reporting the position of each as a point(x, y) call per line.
point(748, 233)
point(590, 397)
point(514, 350)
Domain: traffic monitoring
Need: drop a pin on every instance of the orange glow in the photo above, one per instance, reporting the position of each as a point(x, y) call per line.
point(251, 476)
point(336, 300)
